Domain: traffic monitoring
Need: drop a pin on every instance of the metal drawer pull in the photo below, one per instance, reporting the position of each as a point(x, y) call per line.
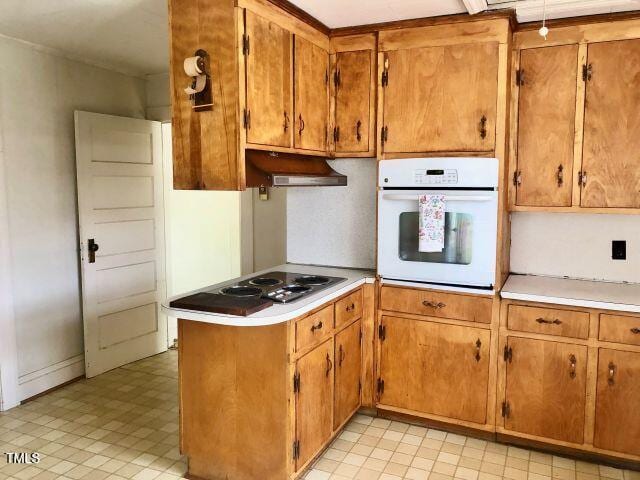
point(329, 366)
point(341, 356)
point(612, 373)
point(351, 307)
point(435, 305)
point(316, 327)
point(549, 322)
point(572, 366)
point(478, 345)
point(635, 330)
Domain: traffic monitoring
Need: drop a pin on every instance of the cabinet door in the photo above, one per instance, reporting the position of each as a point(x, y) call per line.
point(546, 389)
point(437, 97)
point(268, 82)
point(314, 401)
point(611, 124)
point(311, 96)
point(546, 119)
point(618, 402)
point(419, 359)
point(353, 87)
point(348, 363)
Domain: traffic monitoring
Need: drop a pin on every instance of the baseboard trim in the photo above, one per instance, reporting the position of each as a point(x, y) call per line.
point(50, 377)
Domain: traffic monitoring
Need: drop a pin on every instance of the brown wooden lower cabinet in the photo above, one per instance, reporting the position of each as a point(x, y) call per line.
point(314, 401)
point(618, 401)
point(545, 388)
point(348, 362)
point(426, 365)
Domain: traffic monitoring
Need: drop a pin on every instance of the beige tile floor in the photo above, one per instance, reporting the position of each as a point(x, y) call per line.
point(124, 425)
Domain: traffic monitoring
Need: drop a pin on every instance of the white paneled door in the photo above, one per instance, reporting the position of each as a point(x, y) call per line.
point(120, 205)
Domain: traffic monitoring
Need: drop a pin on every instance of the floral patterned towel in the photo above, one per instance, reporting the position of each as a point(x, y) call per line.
point(431, 223)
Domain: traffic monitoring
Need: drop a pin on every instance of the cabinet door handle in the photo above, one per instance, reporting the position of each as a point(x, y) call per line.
point(301, 125)
point(341, 356)
point(635, 330)
point(316, 327)
point(612, 373)
point(286, 121)
point(548, 322)
point(478, 346)
point(329, 366)
point(483, 127)
point(435, 305)
point(560, 175)
point(572, 366)
point(358, 135)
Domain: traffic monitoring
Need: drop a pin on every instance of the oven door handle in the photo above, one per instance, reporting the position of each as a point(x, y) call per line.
point(447, 198)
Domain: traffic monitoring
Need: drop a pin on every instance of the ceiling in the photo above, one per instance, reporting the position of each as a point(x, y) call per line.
point(129, 36)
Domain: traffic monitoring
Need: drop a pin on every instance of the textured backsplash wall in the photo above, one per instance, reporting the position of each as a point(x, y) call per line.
point(575, 245)
point(335, 225)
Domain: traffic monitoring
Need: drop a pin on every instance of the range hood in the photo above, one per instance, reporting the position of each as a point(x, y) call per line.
point(277, 169)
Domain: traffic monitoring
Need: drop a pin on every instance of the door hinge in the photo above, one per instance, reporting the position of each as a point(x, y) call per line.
point(382, 332)
point(508, 354)
point(245, 44)
point(380, 386)
point(336, 134)
point(384, 134)
point(296, 382)
point(385, 73)
point(336, 78)
point(582, 178)
point(506, 409)
point(587, 72)
point(296, 449)
point(246, 121)
point(520, 77)
point(517, 178)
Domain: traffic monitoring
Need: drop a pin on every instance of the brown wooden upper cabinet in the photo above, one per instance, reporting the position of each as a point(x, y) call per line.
point(440, 98)
point(546, 81)
point(311, 90)
point(545, 389)
point(269, 63)
point(611, 162)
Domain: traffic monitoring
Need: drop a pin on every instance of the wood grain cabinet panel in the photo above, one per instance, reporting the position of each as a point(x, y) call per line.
point(268, 82)
point(546, 389)
point(611, 123)
point(348, 308)
point(548, 321)
point(618, 402)
point(546, 118)
point(441, 99)
point(311, 91)
point(619, 329)
point(314, 401)
point(348, 354)
point(419, 359)
point(313, 329)
point(436, 304)
point(353, 88)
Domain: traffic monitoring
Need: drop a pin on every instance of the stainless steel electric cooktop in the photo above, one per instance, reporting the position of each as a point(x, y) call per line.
point(281, 287)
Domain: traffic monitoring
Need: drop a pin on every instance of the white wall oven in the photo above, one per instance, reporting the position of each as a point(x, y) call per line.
point(469, 188)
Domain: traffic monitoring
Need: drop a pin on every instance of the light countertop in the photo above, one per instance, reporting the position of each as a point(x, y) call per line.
point(277, 313)
point(623, 297)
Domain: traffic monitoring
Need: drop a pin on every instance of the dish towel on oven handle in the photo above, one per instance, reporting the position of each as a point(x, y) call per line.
point(430, 223)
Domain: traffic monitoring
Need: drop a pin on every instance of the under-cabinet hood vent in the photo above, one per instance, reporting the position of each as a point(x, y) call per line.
point(276, 169)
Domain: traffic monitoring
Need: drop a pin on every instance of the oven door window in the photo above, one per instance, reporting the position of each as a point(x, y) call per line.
point(458, 240)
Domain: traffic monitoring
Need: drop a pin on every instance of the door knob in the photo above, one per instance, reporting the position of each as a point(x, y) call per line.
point(92, 247)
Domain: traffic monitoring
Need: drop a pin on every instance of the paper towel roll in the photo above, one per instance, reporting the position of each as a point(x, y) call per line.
point(192, 66)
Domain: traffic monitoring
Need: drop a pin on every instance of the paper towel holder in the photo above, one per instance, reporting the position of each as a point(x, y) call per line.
point(201, 96)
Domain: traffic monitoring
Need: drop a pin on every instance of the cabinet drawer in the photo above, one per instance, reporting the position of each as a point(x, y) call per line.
point(619, 329)
point(349, 308)
point(549, 321)
point(436, 304)
point(313, 329)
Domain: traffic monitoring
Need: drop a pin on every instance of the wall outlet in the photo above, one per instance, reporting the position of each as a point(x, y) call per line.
point(619, 249)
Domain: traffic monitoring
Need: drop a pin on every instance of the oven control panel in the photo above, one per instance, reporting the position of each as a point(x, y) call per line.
point(435, 177)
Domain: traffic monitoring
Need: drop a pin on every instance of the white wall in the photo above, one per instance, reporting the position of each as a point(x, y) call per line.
point(39, 92)
point(335, 225)
point(158, 101)
point(575, 245)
